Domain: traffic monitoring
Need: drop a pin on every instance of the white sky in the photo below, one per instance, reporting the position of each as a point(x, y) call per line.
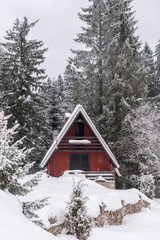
point(59, 25)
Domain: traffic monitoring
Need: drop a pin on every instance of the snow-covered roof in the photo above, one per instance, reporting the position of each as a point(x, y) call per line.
point(78, 109)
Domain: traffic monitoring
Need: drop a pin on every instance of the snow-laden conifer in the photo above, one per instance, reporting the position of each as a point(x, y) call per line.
point(77, 221)
point(157, 83)
point(109, 72)
point(21, 77)
point(149, 63)
point(138, 147)
point(12, 157)
point(53, 101)
point(13, 168)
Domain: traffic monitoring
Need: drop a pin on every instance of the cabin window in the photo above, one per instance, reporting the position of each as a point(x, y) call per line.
point(79, 130)
point(79, 161)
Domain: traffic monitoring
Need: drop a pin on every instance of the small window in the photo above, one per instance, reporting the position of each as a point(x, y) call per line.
point(79, 131)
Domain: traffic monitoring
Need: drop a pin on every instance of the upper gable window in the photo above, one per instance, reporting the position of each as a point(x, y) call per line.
point(79, 130)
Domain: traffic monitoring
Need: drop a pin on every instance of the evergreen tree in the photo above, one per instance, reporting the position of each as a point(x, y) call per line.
point(61, 96)
point(13, 169)
point(52, 98)
point(138, 147)
point(12, 158)
point(109, 73)
point(157, 83)
point(61, 88)
point(30, 209)
point(1, 85)
point(73, 87)
point(21, 79)
point(151, 71)
point(88, 74)
point(126, 75)
point(76, 220)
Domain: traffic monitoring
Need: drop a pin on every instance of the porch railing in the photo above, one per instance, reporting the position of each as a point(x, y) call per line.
point(93, 175)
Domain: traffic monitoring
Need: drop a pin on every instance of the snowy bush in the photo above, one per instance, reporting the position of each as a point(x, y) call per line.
point(77, 222)
point(147, 185)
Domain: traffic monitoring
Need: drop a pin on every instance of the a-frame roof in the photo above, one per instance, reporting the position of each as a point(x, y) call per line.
point(78, 109)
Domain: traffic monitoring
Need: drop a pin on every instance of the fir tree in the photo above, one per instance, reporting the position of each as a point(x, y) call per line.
point(21, 79)
point(77, 222)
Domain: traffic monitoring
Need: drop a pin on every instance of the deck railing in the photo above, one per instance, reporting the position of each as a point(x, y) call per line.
point(93, 175)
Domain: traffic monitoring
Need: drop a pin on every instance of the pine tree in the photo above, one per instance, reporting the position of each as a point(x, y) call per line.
point(151, 71)
point(77, 222)
point(21, 79)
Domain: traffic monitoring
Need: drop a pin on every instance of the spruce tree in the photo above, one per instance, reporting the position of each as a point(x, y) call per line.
point(109, 72)
point(157, 82)
point(12, 158)
point(13, 169)
point(126, 75)
point(138, 147)
point(77, 222)
point(88, 75)
point(52, 97)
point(72, 88)
point(21, 79)
point(151, 71)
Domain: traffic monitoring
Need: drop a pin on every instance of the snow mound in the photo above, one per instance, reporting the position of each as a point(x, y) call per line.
point(59, 190)
point(14, 225)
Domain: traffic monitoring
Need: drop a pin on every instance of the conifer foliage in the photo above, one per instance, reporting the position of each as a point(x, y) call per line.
point(138, 147)
point(13, 169)
point(21, 77)
point(77, 222)
point(12, 158)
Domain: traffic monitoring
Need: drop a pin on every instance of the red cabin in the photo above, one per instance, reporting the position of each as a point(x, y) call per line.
point(79, 146)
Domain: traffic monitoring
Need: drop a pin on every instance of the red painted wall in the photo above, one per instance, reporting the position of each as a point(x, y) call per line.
point(60, 161)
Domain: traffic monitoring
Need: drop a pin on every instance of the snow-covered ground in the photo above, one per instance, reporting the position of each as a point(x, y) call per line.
point(140, 226)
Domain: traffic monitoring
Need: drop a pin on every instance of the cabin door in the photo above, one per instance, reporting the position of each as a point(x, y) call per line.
point(79, 161)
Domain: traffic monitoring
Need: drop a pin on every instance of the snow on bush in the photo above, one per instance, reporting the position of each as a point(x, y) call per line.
point(77, 222)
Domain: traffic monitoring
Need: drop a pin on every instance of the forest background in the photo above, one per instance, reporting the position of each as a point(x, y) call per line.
point(111, 76)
